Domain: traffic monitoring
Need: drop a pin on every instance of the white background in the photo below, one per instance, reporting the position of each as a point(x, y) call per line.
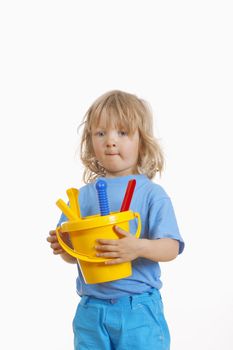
point(56, 58)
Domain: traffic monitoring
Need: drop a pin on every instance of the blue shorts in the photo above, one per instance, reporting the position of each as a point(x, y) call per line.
point(133, 322)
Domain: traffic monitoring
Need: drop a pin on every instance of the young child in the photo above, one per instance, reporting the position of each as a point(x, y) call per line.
point(118, 145)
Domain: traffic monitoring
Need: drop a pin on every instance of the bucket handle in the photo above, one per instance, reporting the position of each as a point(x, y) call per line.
point(84, 257)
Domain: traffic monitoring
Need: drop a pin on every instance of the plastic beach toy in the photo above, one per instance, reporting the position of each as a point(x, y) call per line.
point(128, 195)
point(83, 234)
point(101, 187)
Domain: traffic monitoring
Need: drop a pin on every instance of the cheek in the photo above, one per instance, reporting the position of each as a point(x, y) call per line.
point(131, 150)
point(97, 148)
point(95, 151)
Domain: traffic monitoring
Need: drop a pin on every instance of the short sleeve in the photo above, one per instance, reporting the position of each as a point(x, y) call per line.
point(162, 222)
point(62, 219)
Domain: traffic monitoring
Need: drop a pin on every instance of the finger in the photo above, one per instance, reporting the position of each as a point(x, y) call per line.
point(52, 239)
point(121, 231)
point(52, 232)
point(107, 241)
point(108, 255)
point(55, 246)
point(114, 261)
point(108, 248)
point(58, 251)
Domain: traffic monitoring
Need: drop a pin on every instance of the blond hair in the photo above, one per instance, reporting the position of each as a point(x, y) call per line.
point(127, 111)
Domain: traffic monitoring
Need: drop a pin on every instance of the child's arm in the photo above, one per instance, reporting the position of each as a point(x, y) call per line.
point(57, 249)
point(129, 248)
point(163, 249)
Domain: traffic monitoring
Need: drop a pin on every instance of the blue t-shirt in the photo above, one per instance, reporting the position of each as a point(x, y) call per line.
point(158, 221)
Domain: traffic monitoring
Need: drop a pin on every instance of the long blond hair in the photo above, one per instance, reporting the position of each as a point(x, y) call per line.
point(128, 111)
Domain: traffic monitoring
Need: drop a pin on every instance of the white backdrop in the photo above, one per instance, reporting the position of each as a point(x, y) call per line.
point(56, 58)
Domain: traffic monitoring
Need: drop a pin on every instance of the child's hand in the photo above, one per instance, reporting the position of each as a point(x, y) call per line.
point(54, 244)
point(121, 250)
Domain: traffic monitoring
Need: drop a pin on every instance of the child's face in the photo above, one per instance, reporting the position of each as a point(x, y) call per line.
point(115, 149)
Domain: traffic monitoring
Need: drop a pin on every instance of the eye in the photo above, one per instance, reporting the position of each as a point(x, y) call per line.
point(122, 133)
point(99, 133)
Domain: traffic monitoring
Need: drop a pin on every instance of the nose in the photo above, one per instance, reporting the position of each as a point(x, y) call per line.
point(111, 140)
point(111, 144)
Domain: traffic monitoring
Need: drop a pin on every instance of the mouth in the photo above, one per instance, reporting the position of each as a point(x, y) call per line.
point(112, 154)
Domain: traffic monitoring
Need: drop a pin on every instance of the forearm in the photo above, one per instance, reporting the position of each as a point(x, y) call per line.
point(129, 248)
point(159, 250)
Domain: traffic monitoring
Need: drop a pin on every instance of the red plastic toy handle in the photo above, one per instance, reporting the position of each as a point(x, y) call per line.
point(128, 195)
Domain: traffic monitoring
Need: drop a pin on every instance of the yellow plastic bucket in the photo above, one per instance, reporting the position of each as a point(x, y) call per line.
point(83, 235)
